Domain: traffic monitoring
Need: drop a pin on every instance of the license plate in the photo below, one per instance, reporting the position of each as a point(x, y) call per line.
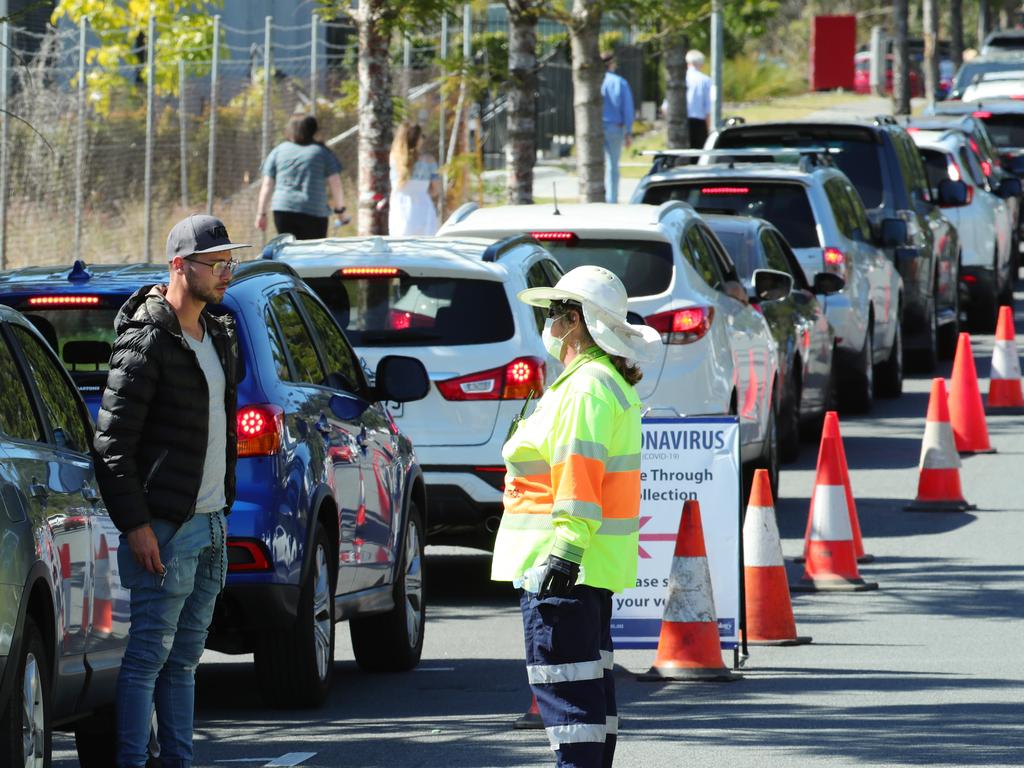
point(397, 410)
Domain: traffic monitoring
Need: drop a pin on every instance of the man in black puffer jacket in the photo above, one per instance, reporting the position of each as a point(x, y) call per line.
point(165, 450)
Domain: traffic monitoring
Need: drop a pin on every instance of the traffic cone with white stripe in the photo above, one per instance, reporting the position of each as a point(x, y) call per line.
point(1004, 388)
point(831, 562)
point(769, 619)
point(689, 647)
point(938, 484)
point(531, 720)
point(966, 413)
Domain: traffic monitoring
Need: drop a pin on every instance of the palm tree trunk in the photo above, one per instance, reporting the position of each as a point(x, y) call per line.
point(931, 55)
point(678, 128)
point(901, 62)
point(956, 32)
point(375, 118)
point(587, 75)
point(521, 146)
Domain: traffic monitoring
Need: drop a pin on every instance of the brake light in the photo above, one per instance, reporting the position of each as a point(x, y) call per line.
point(986, 167)
point(245, 555)
point(682, 326)
point(969, 279)
point(67, 301)
point(514, 381)
point(725, 190)
point(351, 272)
point(260, 429)
point(560, 237)
point(981, 115)
point(835, 261)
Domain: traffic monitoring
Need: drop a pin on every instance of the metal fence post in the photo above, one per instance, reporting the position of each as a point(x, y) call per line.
point(313, 69)
point(150, 77)
point(267, 76)
point(442, 124)
point(183, 132)
point(5, 38)
point(80, 139)
point(211, 160)
point(407, 70)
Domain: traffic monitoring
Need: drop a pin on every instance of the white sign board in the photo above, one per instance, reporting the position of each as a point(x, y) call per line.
point(682, 459)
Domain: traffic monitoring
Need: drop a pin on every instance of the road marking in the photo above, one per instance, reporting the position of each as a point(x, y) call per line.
point(292, 758)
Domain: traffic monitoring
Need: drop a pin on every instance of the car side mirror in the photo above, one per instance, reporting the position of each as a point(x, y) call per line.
point(400, 379)
point(827, 283)
point(771, 285)
point(1010, 187)
point(892, 232)
point(953, 194)
point(1015, 165)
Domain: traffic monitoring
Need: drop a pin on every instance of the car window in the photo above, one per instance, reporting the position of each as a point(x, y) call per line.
point(936, 165)
point(645, 267)
point(1006, 131)
point(743, 251)
point(404, 310)
point(794, 268)
point(337, 353)
point(726, 268)
point(553, 269)
point(840, 206)
point(969, 161)
point(698, 253)
point(861, 224)
point(60, 401)
point(297, 340)
point(17, 417)
point(538, 277)
point(911, 166)
point(276, 347)
point(774, 256)
point(783, 204)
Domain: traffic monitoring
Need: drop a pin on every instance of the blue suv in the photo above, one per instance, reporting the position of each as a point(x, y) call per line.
point(328, 520)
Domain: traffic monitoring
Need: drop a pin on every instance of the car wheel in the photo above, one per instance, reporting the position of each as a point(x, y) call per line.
point(393, 641)
point(789, 434)
point(859, 390)
point(770, 459)
point(949, 335)
point(294, 665)
point(890, 372)
point(25, 726)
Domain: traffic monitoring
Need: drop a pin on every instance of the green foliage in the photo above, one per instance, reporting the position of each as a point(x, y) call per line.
point(184, 33)
point(749, 79)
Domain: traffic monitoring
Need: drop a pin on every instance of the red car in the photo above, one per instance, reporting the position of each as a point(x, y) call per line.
point(862, 75)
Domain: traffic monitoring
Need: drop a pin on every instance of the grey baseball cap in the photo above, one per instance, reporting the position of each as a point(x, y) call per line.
point(199, 233)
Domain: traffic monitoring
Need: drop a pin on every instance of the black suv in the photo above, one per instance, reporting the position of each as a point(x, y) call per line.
point(884, 165)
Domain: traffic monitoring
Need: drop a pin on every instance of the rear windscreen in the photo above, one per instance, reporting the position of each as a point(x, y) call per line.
point(1006, 131)
point(971, 71)
point(644, 266)
point(82, 338)
point(412, 311)
point(784, 205)
point(858, 155)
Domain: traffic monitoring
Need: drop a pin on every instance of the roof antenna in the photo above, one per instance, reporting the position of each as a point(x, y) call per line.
point(554, 197)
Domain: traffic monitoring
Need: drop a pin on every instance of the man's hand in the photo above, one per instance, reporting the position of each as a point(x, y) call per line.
point(261, 221)
point(146, 549)
point(559, 578)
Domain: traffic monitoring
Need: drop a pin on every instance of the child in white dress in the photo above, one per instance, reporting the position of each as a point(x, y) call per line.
point(415, 182)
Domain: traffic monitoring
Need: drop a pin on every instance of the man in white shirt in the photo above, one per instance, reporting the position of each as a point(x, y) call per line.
point(698, 99)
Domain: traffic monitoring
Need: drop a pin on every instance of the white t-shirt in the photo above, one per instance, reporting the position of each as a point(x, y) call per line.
point(211, 490)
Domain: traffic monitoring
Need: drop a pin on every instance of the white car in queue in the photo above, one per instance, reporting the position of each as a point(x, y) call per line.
point(718, 355)
point(452, 304)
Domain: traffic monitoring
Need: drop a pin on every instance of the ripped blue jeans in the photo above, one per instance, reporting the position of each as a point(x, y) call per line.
point(170, 618)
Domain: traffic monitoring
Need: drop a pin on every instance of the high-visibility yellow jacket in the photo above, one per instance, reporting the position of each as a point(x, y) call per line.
point(572, 482)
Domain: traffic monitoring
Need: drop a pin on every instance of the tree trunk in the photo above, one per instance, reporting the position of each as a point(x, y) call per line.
point(984, 22)
point(521, 146)
point(375, 117)
point(901, 63)
point(587, 75)
point(956, 32)
point(678, 128)
point(931, 55)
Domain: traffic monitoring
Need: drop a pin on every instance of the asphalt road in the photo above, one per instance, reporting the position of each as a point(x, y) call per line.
point(926, 671)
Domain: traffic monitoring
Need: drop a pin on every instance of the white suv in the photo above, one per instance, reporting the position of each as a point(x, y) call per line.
point(718, 355)
point(451, 304)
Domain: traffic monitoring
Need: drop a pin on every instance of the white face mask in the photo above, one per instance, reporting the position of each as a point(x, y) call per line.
point(553, 344)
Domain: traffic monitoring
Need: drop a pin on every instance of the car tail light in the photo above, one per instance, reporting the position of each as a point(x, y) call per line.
point(725, 190)
point(260, 429)
point(972, 279)
point(913, 130)
point(559, 237)
point(682, 326)
point(514, 381)
point(835, 261)
point(981, 115)
point(246, 555)
point(954, 170)
point(67, 301)
point(348, 273)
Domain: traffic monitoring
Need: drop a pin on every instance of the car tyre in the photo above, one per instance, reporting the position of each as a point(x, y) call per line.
point(294, 665)
point(949, 334)
point(770, 460)
point(789, 435)
point(984, 311)
point(25, 732)
point(858, 394)
point(393, 641)
point(889, 377)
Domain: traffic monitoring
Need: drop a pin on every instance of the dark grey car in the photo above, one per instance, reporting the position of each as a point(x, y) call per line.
point(63, 613)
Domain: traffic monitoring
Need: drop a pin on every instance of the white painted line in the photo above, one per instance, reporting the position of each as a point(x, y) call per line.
point(292, 758)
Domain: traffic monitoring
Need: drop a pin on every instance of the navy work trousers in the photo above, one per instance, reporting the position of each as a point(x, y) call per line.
point(569, 664)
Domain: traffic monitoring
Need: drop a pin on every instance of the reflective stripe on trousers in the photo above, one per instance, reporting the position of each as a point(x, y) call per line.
point(569, 664)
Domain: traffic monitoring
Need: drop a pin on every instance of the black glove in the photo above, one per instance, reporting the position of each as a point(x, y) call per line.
point(559, 577)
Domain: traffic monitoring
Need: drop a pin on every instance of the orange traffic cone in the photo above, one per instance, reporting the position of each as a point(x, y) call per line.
point(689, 647)
point(831, 561)
point(1004, 389)
point(938, 484)
point(966, 413)
point(531, 720)
point(102, 606)
point(769, 614)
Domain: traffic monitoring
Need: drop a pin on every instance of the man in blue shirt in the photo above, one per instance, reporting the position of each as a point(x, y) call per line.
point(698, 99)
point(617, 114)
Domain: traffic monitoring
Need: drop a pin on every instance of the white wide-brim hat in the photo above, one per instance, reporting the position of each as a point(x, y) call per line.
point(604, 302)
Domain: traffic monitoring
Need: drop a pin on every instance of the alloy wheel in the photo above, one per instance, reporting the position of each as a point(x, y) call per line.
point(33, 729)
point(413, 592)
point(322, 618)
